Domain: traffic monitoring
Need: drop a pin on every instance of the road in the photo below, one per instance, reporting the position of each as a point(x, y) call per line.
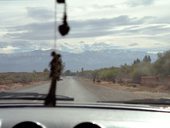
point(86, 91)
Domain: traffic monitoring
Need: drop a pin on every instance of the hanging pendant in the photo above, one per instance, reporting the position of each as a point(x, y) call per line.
point(64, 28)
point(61, 1)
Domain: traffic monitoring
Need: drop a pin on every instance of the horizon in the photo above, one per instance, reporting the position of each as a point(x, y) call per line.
point(72, 51)
point(38, 60)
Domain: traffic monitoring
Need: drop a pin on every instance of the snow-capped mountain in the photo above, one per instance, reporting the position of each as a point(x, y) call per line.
point(88, 59)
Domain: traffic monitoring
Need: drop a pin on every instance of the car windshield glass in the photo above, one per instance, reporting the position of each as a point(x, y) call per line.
point(93, 51)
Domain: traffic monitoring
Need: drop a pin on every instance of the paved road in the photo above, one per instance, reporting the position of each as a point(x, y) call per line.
point(86, 91)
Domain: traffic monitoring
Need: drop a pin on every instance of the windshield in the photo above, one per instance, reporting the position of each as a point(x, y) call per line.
point(108, 50)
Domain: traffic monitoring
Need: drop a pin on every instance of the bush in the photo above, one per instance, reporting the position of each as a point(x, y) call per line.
point(9, 78)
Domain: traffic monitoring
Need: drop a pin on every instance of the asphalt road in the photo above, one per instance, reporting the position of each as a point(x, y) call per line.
point(86, 91)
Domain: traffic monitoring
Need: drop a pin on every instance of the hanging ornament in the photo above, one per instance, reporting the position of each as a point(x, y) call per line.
point(64, 27)
point(61, 1)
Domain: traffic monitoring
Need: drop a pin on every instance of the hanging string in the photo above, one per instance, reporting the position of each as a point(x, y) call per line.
point(55, 25)
point(63, 28)
point(65, 8)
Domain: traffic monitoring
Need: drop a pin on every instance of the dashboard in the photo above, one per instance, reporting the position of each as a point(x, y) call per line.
point(83, 116)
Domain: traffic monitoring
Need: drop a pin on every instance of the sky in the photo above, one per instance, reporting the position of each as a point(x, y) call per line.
point(27, 25)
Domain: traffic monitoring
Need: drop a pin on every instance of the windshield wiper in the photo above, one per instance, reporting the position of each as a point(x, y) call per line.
point(161, 101)
point(30, 96)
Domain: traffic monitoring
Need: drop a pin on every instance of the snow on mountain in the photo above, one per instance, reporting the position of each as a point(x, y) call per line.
point(39, 59)
point(78, 47)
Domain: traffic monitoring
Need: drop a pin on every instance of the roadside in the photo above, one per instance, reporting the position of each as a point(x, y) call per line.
point(135, 88)
point(15, 86)
point(148, 92)
point(15, 80)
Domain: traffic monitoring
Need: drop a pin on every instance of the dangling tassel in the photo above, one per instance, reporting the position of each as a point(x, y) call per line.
point(55, 73)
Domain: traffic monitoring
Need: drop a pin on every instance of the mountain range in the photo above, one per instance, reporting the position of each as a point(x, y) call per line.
point(38, 60)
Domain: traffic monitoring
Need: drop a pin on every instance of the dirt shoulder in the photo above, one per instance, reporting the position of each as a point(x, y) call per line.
point(14, 86)
point(126, 92)
point(135, 88)
point(132, 87)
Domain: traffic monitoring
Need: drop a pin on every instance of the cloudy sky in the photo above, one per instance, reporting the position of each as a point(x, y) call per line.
point(27, 25)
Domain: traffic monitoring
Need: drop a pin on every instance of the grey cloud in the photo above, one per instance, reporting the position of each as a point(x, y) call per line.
point(15, 44)
point(23, 45)
point(88, 28)
point(149, 30)
point(4, 44)
point(157, 44)
point(133, 44)
point(40, 13)
point(96, 6)
point(35, 31)
point(122, 20)
point(134, 3)
point(92, 28)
